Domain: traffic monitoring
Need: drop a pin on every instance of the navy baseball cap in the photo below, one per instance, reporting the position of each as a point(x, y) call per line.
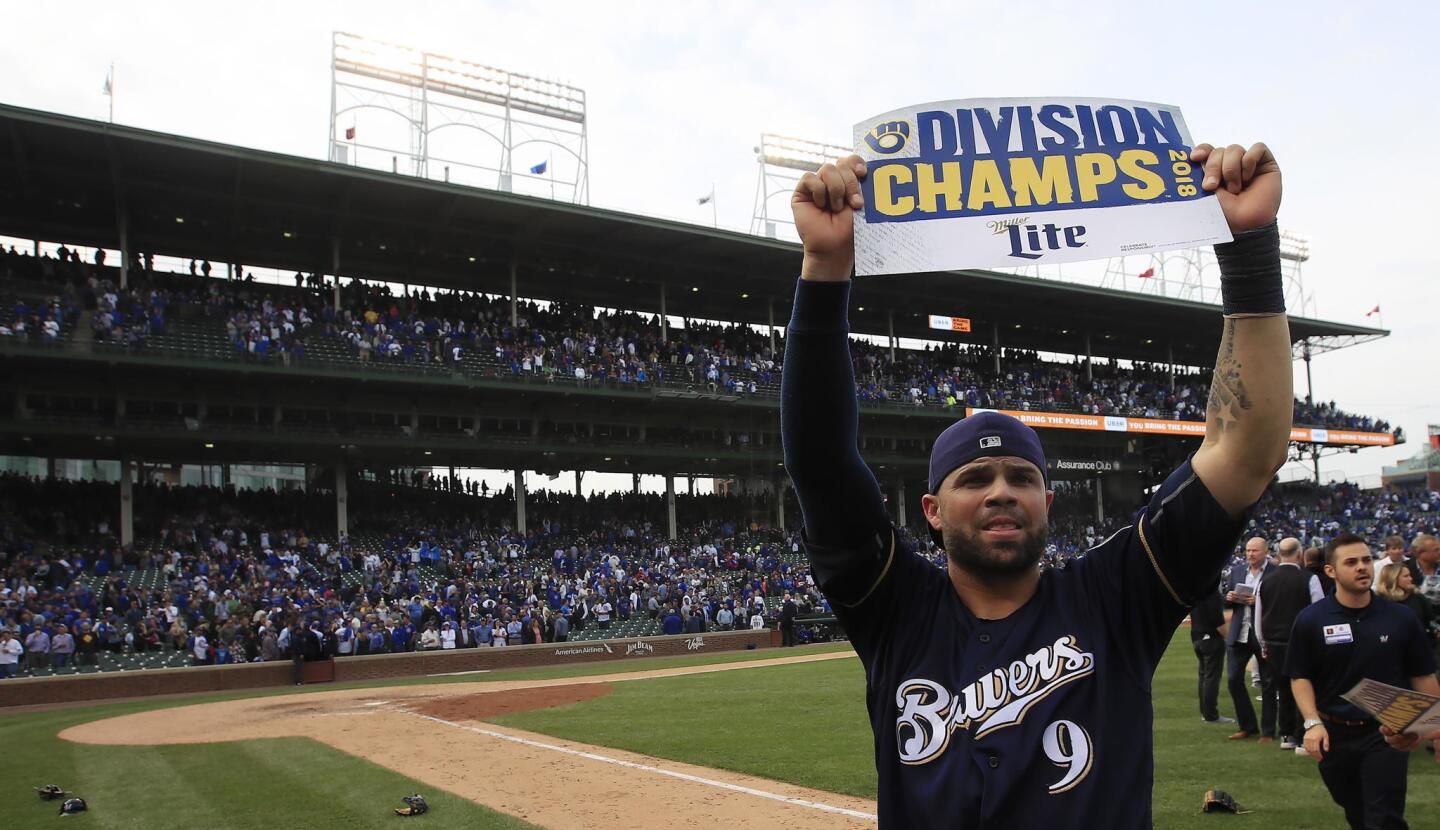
point(984, 434)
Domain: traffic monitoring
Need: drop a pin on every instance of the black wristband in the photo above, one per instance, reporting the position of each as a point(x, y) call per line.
point(1250, 281)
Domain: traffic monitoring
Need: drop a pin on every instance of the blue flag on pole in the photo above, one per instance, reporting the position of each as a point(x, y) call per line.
point(539, 168)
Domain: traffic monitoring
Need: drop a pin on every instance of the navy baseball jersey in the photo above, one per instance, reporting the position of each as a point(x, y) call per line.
point(1041, 719)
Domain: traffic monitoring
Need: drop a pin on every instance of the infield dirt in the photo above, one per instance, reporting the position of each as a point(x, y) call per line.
point(435, 734)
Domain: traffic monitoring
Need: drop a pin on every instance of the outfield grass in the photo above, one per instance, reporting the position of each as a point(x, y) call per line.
point(806, 724)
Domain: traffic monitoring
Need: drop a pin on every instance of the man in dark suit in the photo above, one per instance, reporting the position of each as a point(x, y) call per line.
point(788, 612)
point(1284, 593)
point(1243, 643)
point(1207, 624)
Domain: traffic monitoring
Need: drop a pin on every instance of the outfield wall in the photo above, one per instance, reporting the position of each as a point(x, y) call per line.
point(142, 683)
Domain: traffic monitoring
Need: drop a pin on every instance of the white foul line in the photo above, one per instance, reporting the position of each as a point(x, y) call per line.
point(683, 776)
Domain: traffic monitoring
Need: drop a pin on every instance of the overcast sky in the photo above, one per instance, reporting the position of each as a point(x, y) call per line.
point(679, 92)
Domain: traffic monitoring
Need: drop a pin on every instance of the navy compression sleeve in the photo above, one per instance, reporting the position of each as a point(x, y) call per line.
point(819, 422)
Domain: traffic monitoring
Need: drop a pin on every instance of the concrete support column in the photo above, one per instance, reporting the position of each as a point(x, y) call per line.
point(342, 499)
point(635, 481)
point(335, 269)
point(579, 477)
point(1099, 500)
point(514, 290)
point(224, 475)
point(691, 481)
point(900, 501)
point(995, 344)
point(664, 316)
point(520, 501)
point(1170, 364)
point(124, 250)
point(890, 319)
point(777, 486)
point(127, 501)
point(770, 310)
point(1089, 373)
point(670, 504)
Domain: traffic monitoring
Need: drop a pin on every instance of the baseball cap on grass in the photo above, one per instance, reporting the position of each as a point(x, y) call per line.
point(982, 435)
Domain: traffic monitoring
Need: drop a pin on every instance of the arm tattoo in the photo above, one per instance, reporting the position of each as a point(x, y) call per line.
point(1228, 397)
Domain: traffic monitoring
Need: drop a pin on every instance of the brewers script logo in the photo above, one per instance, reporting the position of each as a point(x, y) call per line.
point(929, 712)
point(889, 137)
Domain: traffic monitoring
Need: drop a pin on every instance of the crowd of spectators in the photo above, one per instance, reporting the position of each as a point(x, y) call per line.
point(438, 567)
point(233, 585)
point(579, 343)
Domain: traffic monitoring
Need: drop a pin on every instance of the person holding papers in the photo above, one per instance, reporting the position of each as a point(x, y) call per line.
point(1345, 638)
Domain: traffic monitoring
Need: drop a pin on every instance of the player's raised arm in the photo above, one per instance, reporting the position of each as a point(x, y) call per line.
point(819, 417)
point(1247, 429)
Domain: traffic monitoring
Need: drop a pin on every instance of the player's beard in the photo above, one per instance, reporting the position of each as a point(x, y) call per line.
point(997, 559)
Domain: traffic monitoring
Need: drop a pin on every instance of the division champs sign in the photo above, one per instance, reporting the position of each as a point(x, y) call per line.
point(1025, 181)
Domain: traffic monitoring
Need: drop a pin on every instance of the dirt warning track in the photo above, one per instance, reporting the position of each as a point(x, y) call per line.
point(436, 734)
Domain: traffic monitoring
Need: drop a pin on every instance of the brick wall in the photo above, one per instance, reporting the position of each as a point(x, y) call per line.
point(110, 685)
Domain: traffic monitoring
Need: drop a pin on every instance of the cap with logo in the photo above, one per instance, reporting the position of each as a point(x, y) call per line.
point(982, 435)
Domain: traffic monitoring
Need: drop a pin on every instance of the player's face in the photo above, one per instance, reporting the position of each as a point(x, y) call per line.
point(993, 515)
point(1352, 569)
point(1255, 551)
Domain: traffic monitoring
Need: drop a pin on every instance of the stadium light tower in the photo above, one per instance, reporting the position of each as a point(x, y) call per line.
point(454, 120)
point(1181, 274)
point(783, 161)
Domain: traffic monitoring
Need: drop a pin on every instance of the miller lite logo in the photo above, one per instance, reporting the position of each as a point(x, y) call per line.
point(1032, 241)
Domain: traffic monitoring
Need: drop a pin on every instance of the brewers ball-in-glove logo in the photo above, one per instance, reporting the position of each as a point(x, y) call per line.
point(889, 137)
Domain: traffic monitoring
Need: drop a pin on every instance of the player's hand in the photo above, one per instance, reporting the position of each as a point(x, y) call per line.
point(824, 205)
point(1247, 182)
point(1317, 741)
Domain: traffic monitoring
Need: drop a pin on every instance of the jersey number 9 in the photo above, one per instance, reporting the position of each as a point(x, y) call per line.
point(1068, 746)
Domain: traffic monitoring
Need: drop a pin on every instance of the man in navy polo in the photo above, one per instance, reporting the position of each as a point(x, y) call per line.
point(1337, 642)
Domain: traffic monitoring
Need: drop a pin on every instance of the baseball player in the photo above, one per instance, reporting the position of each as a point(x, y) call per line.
point(1001, 696)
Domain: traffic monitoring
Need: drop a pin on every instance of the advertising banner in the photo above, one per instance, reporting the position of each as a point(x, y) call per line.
point(1164, 426)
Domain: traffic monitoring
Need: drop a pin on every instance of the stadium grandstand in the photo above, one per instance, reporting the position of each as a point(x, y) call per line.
point(431, 328)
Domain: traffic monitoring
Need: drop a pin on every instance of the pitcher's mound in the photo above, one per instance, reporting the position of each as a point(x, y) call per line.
point(490, 704)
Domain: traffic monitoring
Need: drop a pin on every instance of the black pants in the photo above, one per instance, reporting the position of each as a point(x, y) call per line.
point(787, 634)
point(1211, 653)
point(1365, 777)
point(1239, 655)
point(1287, 715)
